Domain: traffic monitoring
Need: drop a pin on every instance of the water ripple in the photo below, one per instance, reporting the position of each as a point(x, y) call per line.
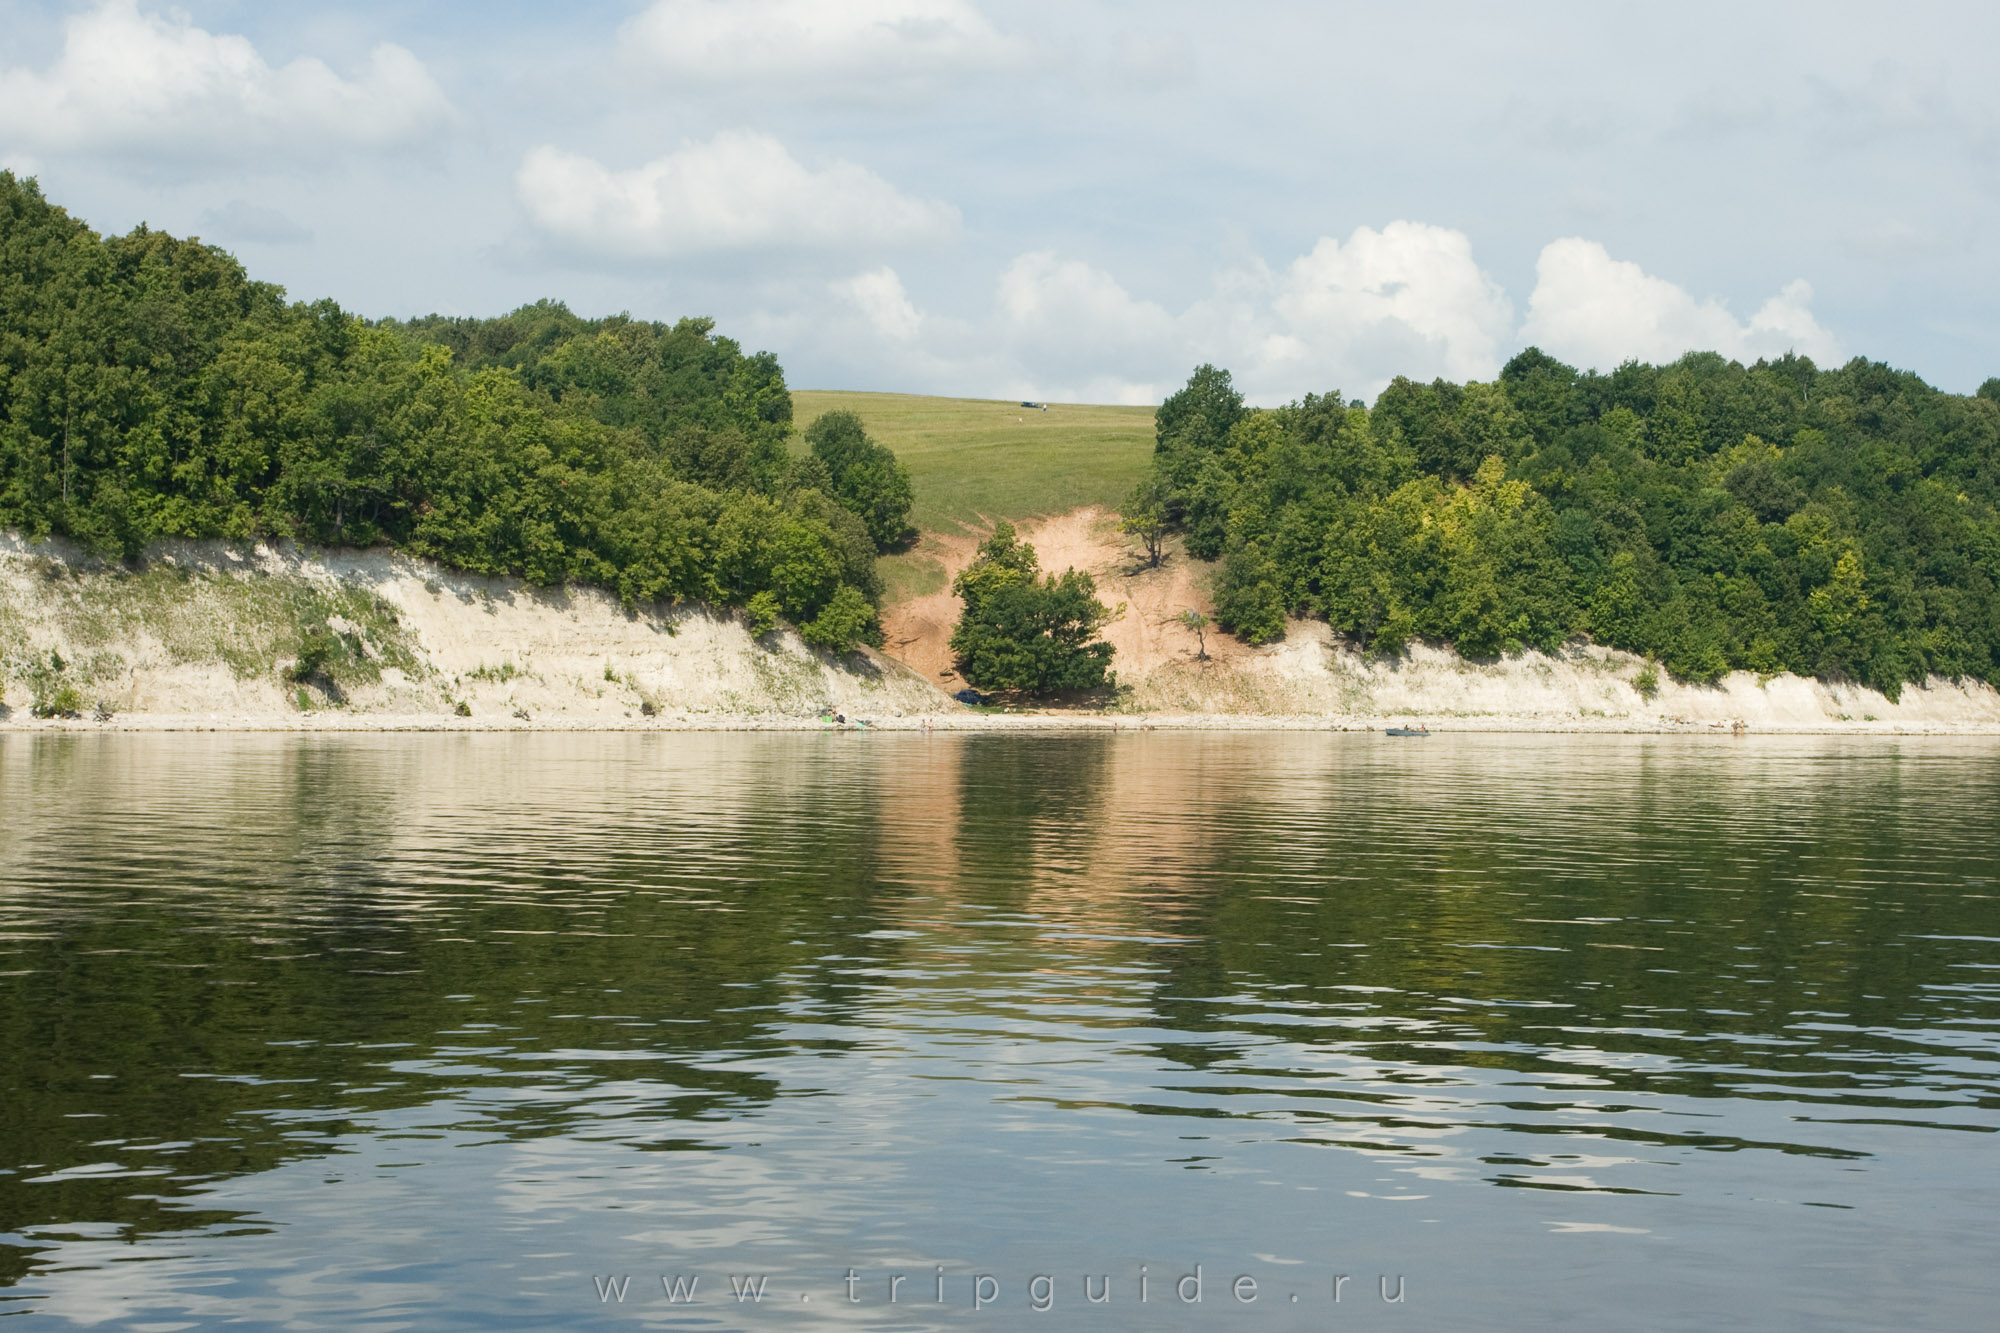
point(428, 1030)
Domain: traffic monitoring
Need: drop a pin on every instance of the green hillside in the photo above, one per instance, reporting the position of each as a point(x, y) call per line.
point(973, 460)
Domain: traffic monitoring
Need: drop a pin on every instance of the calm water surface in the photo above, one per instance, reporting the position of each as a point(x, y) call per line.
point(480, 1031)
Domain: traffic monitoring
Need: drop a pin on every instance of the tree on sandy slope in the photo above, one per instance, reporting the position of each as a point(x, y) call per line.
point(1146, 516)
point(1021, 631)
point(1197, 623)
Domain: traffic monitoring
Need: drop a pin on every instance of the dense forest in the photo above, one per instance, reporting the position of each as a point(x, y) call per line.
point(1774, 517)
point(149, 389)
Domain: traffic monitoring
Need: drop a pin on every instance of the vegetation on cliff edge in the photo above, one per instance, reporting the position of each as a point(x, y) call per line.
point(1773, 517)
point(150, 389)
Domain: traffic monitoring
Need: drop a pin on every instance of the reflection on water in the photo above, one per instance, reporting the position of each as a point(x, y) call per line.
point(447, 1031)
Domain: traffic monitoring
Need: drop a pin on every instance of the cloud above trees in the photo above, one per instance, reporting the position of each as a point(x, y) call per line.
point(132, 83)
point(1407, 299)
point(1598, 311)
point(957, 196)
point(740, 190)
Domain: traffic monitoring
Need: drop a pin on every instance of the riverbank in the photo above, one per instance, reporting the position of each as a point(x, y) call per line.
point(962, 722)
point(218, 637)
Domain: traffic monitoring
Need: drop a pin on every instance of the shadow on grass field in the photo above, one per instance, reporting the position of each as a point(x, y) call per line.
point(973, 461)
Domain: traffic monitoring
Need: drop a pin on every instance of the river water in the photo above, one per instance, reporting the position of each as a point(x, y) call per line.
point(533, 1031)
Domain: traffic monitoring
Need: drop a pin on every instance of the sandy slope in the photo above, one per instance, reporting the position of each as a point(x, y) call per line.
point(1147, 635)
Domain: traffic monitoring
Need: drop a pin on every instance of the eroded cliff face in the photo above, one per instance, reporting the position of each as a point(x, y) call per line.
point(257, 635)
point(1582, 688)
point(207, 634)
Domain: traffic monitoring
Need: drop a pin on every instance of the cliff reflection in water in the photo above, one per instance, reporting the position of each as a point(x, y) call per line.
point(794, 1002)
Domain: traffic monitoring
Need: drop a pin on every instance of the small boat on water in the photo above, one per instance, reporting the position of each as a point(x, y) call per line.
point(1409, 731)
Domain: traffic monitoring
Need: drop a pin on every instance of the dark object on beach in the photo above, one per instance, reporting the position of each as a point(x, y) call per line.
point(971, 697)
point(1409, 731)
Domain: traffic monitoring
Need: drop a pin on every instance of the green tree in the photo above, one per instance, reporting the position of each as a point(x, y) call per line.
point(1201, 413)
point(866, 477)
point(847, 619)
point(1197, 624)
point(1020, 631)
point(1145, 516)
point(1249, 601)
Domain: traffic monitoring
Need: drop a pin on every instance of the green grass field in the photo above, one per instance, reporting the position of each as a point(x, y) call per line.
point(972, 461)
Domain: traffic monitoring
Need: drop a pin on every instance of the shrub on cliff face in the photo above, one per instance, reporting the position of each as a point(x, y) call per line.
point(762, 612)
point(55, 695)
point(847, 620)
point(64, 700)
point(317, 649)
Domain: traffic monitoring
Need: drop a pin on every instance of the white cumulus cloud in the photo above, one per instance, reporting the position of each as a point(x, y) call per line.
point(881, 299)
point(740, 190)
point(1076, 334)
point(129, 81)
point(866, 331)
point(1408, 299)
point(815, 42)
point(1348, 316)
point(1077, 307)
point(1597, 311)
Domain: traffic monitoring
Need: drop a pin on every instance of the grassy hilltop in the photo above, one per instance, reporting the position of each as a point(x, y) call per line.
point(972, 460)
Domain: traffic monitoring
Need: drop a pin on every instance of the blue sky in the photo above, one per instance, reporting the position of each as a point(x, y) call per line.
point(1064, 200)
